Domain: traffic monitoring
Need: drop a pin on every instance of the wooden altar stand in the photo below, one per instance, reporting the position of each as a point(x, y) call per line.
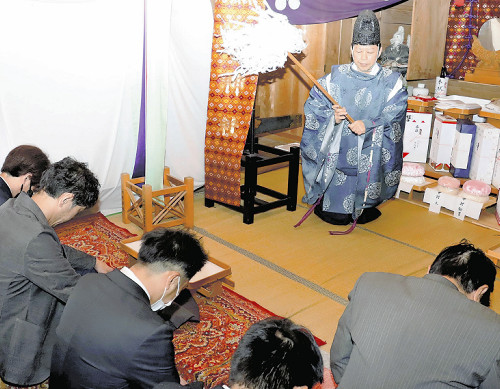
point(491, 117)
point(170, 206)
point(257, 156)
point(208, 281)
point(421, 105)
point(459, 113)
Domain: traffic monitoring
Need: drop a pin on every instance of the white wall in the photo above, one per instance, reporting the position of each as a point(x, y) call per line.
point(70, 83)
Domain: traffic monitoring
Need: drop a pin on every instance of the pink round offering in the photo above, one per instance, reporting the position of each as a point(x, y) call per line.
point(449, 182)
point(476, 188)
point(412, 169)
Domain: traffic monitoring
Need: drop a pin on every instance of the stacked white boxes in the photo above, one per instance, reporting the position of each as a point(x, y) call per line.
point(443, 138)
point(416, 136)
point(486, 149)
point(461, 154)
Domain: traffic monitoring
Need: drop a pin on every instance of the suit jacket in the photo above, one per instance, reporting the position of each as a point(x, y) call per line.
point(109, 337)
point(5, 192)
point(36, 278)
point(409, 332)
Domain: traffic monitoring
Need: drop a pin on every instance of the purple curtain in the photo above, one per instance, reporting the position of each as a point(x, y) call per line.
point(309, 12)
point(140, 154)
point(324, 11)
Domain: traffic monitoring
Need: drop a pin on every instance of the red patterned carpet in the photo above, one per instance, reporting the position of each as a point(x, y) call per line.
point(204, 349)
point(97, 236)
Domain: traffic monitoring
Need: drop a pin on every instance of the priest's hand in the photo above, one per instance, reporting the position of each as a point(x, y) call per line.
point(340, 113)
point(358, 127)
point(101, 267)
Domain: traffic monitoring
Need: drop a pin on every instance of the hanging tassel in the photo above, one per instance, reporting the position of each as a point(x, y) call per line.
point(310, 210)
point(353, 226)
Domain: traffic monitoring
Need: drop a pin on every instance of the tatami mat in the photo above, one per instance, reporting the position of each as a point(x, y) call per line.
point(305, 273)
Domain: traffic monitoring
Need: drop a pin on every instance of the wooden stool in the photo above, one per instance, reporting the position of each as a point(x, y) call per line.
point(253, 205)
point(168, 207)
point(208, 281)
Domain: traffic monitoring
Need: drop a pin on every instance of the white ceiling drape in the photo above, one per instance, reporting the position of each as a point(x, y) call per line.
point(70, 83)
point(70, 79)
point(190, 52)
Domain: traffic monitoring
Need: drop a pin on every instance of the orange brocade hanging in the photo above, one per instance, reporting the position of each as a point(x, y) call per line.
point(230, 104)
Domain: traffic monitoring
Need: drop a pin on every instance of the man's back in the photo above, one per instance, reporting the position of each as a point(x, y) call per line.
point(35, 280)
point(108, 337)
point(409, 332)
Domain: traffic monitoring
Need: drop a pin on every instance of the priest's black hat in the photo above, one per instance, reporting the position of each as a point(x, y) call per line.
point(366, 29)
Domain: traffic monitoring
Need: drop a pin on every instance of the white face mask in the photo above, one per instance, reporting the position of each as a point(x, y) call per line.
point(156, 306)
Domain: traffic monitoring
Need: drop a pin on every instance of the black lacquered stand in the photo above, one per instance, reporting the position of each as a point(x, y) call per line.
point(254, 157)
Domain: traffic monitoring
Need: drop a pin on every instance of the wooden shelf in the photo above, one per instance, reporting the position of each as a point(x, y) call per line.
point(421, 106)
point(486, 219)
point(458, 113)
point(430, 172)
point(489, 114)
point(491, 117)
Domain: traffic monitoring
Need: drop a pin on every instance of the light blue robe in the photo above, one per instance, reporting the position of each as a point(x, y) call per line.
point(352, 171)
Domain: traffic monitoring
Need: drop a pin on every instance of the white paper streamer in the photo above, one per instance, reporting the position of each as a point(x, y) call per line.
point(262, 45)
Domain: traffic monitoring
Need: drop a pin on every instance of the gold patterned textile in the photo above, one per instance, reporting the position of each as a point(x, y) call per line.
point(230, 105)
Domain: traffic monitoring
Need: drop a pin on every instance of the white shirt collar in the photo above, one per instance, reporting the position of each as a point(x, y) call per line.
point(6, 183)
point(130, 274)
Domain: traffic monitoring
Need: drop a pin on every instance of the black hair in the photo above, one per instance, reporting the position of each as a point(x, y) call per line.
point(71, 176)
point(469, 266)
point(26, 159)
point(276, 353)
point(177, 248)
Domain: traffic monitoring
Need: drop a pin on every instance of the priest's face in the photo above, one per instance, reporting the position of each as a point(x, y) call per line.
point(365, 56)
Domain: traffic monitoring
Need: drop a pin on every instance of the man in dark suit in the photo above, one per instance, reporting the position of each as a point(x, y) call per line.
point(274, 353)
point(430, 332)
point(37, 273)
point(109, 335)
point(21, 171)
